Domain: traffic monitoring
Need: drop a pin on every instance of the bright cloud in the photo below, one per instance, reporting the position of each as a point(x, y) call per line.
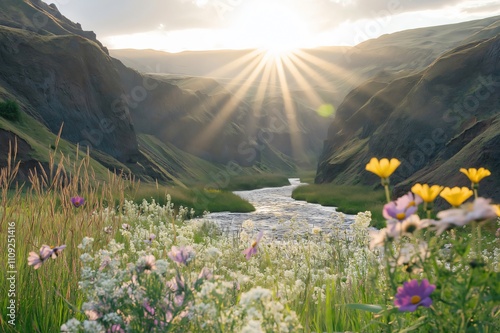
point(177, 25)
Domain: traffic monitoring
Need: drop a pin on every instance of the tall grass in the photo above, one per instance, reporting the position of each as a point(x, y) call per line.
point(43, 214)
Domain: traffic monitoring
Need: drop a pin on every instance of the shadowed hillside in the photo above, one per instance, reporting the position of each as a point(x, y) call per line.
point(437, 121)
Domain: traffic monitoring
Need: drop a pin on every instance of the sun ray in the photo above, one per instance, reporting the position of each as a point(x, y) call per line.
point(328, 66)
point(290, 112)
point(217, 123)
point(312, 95)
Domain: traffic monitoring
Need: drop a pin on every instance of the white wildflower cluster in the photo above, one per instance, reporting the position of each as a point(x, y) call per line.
point(119, 279)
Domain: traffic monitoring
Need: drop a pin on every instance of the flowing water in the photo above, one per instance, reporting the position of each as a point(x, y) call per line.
point(277, 213)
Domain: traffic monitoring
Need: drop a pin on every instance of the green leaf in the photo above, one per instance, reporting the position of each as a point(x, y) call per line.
point(420, 321)
point(366, 307)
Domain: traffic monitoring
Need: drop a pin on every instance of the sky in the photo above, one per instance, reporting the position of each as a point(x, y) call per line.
point(179, 25)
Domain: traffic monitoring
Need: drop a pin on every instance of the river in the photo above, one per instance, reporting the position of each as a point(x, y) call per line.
point(277, 213)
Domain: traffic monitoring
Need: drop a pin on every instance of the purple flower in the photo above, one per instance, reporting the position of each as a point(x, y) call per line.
point(77, 201)
point(182, 255)
point(150, 239)
point(253, 248)
point(403, 207)
point(412, 295)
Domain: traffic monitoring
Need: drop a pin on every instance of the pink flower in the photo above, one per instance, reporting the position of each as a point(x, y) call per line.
point(412, 295)
point(37, 259)
point(253, 248)
point(479, 210)
point(116, 328)
point(182, 255)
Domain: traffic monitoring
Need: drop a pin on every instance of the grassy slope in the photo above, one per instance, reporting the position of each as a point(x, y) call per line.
point(41, 139)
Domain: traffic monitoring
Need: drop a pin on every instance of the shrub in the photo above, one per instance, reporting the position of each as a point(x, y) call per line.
point(10, 110)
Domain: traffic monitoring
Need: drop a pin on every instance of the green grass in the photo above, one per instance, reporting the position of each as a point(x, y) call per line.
point(348, 199)
point(252, 182)
point(196, 197)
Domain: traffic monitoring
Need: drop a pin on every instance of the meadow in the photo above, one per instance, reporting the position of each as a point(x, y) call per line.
point(115, 265)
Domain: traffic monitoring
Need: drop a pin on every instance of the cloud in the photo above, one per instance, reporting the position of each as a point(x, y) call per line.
point(107, 17)
point(489, 7)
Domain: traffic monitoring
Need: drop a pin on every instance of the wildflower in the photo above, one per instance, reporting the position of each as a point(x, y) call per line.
point(316, 230)
point(146, 264)
point(479, 210)
point(149, 309)
point(456, 196)
point(106, 260)
point(497, 209)
point(108, 229)
point(412, 224)
point(475, 175)
point(56, 250)
point(150, 239)
point(182, 255)
point(125, 226)
point(77, 201)
point(253, 248)
point(205, 274)
point(383, 168)
point(116, 328)
point(403, 207)
point(426, 192)
point(37, 259)
point(412, 295)
point(410, 253)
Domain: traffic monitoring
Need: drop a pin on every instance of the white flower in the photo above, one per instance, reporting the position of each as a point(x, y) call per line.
point(86, 243)
point(316, 230)
point(92, 327)
point(71, 326)
point(248, 225)
point(253, 326)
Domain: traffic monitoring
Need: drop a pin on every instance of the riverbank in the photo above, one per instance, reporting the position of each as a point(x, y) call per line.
point(347, 199)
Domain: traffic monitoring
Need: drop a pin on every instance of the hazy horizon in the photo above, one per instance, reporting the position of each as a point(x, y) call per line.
point(204, 25)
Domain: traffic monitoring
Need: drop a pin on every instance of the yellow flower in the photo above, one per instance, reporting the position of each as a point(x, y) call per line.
point(383, 168)
point(456, 196)
point(476, 175)
point(426, 192)
point(497, 209)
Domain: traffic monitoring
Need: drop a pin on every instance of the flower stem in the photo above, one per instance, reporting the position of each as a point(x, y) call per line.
point(385, 184)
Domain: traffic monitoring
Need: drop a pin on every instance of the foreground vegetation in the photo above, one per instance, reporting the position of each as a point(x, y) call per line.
point(86, 259)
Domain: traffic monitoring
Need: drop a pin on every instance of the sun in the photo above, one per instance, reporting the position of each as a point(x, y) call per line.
point(273, 28)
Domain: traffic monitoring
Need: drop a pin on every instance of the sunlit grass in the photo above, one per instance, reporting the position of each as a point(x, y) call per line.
point(348, 199)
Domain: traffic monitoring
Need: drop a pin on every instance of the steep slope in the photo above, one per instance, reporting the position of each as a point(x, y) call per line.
point(67, 79)
point(436, 121)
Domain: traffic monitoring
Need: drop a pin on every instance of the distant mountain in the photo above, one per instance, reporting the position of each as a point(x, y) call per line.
point(336, 70)
point(436, 121)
